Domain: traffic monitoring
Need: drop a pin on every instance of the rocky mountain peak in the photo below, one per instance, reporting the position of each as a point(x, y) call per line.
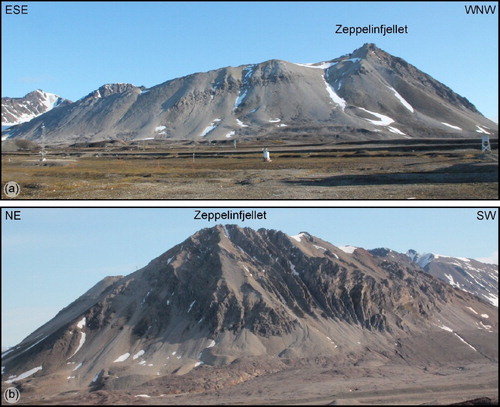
point(113, 88)
point(365, 51)
point(229, 292)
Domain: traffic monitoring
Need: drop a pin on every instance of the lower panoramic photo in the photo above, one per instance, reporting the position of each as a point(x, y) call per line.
point(256, 306)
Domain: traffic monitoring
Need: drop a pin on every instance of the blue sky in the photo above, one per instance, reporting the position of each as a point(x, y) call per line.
point(72, 48)
point(53, 255)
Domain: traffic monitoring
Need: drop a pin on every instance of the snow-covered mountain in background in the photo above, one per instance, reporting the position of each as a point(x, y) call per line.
point(470, 275)
point(21, 110)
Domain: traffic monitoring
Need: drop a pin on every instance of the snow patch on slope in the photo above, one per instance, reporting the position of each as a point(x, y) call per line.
point(24, 375)
point(348, 249)
point(138, 354)
point(80, 324)
point(452, 282)
point(292, 267)
point(450, 125)
point(464, 341)
point(492, 298)
point(318, 65)
point(481, 130)
point(446, 328)
point(335, 98)
point(239, 99)
point(160, 129)
point(472, 309)
point(402, 100)
point(249, 72)
point(122, 358)
point(210, 127)
point(298, 237)
point(394, 130)
point(82, 341)
point(384, 120)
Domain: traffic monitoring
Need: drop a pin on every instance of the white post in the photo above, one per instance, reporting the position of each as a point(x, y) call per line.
point(266, 156)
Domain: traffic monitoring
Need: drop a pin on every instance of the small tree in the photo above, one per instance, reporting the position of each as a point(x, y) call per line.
point(27, 145)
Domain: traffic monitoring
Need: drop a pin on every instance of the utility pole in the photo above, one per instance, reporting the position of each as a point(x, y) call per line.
point(43, 153)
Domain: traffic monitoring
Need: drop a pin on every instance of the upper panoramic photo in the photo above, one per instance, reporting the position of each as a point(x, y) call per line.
point(249, 100)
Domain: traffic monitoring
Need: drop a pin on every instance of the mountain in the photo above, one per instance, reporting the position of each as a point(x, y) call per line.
point(470, 275)
point(34, 104)
point(252, 302)
point(368, 94)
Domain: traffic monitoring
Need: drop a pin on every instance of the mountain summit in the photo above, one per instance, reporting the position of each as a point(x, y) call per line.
point(368, 94)
point(34, 104)
point(227, 295)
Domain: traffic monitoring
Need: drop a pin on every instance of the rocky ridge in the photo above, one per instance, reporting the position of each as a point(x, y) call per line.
point(366, 95)
point(229, 295)
point(470, 275)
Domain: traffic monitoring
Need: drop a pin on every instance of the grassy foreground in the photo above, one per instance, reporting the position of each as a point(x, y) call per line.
point(292, 174)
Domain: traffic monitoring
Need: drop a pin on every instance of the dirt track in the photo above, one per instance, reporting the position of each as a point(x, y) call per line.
point(383, 385)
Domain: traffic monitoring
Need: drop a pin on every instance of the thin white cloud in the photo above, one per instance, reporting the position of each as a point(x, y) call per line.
point(19, 322)
point(35, 79)
point(492, 259)
point(22, 240)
